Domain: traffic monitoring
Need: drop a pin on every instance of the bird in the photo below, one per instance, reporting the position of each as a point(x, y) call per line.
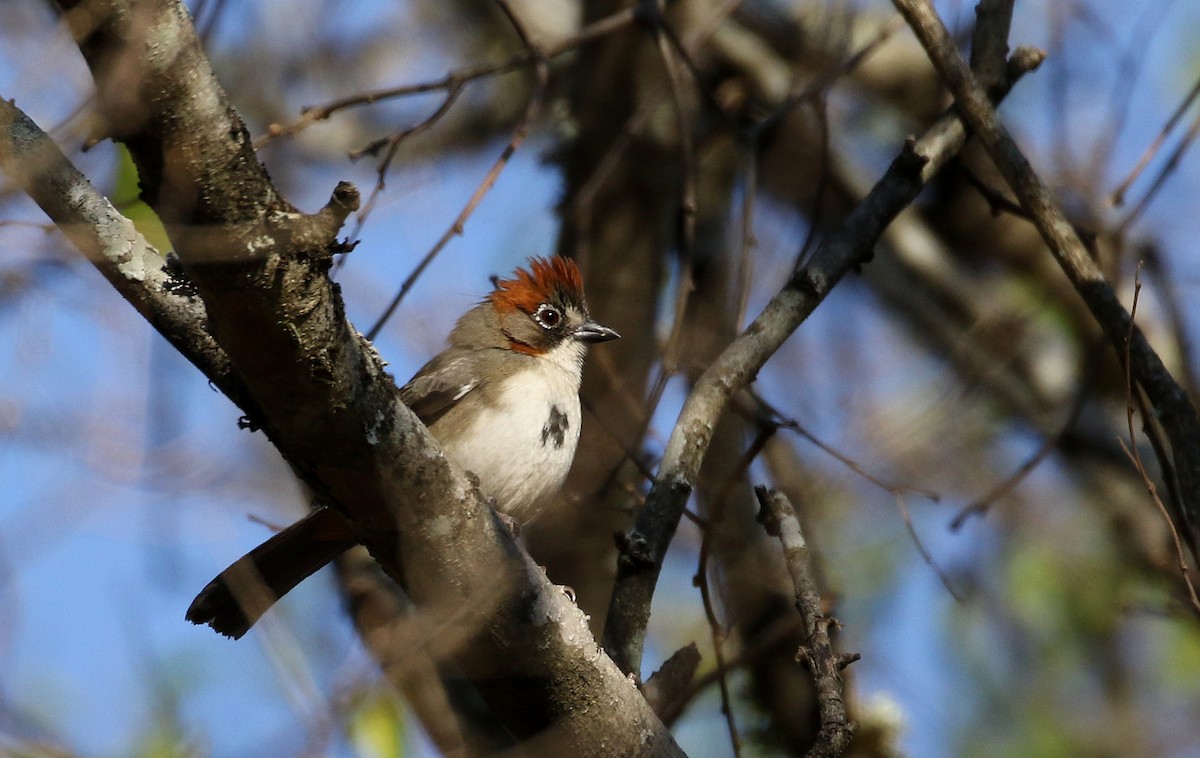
point(502, 401)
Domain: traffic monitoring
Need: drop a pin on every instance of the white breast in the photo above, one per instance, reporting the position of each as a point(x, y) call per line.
point(522, 444)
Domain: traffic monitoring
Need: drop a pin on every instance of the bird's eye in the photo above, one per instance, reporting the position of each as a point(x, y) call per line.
point(548, 316)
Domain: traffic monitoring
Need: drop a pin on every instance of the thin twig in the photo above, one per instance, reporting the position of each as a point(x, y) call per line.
point(392, 143)
point(1160, 179)
point(1131, 61)
point(980, 505)
point(667, 32)
point(452, 80)
point(687, 201)
point(718, 633)
point(849, 244)
point(996, 200)
point(521, 131)
point(888, 487)
point(1169, 402)
point(1131, 450)
point(1118, 195)
point(934, 566)
point(763, 645)
point(666, 689)
point(628, 453)
point(898, 493)
point(799, 93)
point(817, 215)
point(745, 271)
point(779, 519)
point(1168, 292)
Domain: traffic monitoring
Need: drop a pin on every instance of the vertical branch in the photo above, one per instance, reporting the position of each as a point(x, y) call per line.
point(779, 519)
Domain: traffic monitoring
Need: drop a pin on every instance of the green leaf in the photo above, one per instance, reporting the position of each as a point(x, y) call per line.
point(377, 726)
point(127, 201)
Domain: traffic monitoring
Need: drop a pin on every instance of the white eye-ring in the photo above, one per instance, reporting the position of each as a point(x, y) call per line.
point(548, 316)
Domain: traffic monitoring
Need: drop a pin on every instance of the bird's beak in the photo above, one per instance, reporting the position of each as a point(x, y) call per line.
point(590, 331)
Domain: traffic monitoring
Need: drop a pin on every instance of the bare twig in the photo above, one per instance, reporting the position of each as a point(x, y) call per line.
point(1130, 61)
point(716, 629)
point(816, 214)
point(995, 199)
point(668, 688)
point(392, 143)
point(454, 80)
point(745, 271)
point(849, 245)
point(519, 134)
point(889, 487)
point(666, 32)
point(1135, 457)
point(1168, 290)
point(1118, 195)
point(906, 519)
point(1161, 178)
point(779, 519)
point(1170, 402)
point(762, 646)
point(687, 199)
point(810, 89)
point(980, 505)
point(897, 491)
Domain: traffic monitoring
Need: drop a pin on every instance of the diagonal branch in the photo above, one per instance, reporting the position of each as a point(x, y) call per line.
point(139, 272)
point(851, 244)
point(1170, 401)
point(260, 269)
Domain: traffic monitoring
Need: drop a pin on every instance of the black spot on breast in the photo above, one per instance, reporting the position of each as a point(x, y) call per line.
point(555, 427)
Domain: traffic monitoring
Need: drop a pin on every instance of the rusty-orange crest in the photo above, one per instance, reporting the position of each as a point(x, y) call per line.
point(547, 279)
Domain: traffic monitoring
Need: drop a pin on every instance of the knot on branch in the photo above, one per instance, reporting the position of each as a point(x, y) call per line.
point(314, 237)
point(1023, 60)
point(910, 161)
point(633, 549)
point(667, 689)
point(344, 201)
point(768, 515)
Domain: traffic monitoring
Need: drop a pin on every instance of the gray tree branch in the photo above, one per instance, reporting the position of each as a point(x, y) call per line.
point(259, 267)
point(779, 518)
point(1171, 403)
point(111, 242)
point(850, 245)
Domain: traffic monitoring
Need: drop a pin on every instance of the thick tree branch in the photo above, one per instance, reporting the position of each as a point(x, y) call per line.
point(851, 244)
point(1170, 401)
point(111, 242)
point(326, 401)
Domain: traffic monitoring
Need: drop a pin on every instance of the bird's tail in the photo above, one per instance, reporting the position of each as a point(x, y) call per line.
point(242, 593)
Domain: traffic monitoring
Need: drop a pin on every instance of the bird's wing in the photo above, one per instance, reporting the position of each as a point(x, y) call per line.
point(438, 386)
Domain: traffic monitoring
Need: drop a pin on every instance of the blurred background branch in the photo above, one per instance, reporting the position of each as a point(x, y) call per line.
point(684, 158)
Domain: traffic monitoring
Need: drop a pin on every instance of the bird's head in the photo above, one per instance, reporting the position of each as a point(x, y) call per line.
point(542, 307)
